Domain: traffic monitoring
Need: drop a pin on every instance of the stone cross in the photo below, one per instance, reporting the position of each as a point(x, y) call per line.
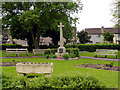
point(61, 34)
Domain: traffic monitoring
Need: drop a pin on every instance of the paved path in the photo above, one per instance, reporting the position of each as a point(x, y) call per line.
point(108, 59)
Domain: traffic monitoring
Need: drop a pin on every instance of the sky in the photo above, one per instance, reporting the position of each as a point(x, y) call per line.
point(95, 14)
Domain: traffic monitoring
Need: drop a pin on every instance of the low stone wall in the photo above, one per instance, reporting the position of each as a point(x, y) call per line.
point(45, 68)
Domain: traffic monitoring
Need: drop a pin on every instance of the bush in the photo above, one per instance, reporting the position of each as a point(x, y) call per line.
point(42, 82)
point(46, 56)
point(52, 56)
point(65, 56)
point(93, 47)
point(76, 82)
point(49, 51)
point(69, 50)
point(4, 46)
point(109, 65)
point(13, 82)
point(73, 51)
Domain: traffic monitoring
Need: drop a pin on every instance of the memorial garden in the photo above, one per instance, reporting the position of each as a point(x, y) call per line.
point(59, 68)
point(62, 70)
point(66, 66)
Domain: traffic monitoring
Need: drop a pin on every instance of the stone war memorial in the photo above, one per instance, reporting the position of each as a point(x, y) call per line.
point(61, 50)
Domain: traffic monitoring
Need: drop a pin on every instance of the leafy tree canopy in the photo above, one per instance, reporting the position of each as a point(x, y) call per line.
point(116, 13)
point(34, 19)
point(108, 36)
point(83, 37)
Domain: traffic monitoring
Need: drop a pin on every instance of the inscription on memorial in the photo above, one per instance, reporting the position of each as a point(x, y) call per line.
point(60, 50)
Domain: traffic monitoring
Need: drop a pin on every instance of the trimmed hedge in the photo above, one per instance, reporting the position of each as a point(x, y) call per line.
point(53, 82)
point(50, 47)
point(69, 50)
point(4, 46)
point(93, 47)
point(81, 47)
point(85, 47)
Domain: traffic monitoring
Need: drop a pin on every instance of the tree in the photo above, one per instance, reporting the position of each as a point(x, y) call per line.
point(25, 22)
point(11, 12)
point(108, 37)
point(83, 37)
point(116, 13)
point(30, 21)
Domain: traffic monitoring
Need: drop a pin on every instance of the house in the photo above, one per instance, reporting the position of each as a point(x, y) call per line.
point(20, 42)
point(7, 39)
point(45, 41)
point(97, 34)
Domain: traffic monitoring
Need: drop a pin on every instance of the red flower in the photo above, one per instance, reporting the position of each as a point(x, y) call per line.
point(60, 58)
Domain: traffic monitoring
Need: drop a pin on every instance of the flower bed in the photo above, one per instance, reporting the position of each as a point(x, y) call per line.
point(99, 66)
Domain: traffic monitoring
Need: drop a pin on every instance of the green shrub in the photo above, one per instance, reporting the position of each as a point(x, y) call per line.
point(46, 56)
point(76, 82)
point(42, 82)
point(72, 55)
point(49, 51)
point(69, 50)
point(109, 65)
point(74, 51)
point(93, 47)
point(52, 56)
point(13, 82)
point(50, 46)
point(65, 56)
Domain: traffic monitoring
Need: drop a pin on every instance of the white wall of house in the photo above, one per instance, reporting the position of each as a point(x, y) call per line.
point(116, 38)
point(96, 38)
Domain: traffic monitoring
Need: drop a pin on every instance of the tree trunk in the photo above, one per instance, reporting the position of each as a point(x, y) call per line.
point(35, 41)
point(35, 38)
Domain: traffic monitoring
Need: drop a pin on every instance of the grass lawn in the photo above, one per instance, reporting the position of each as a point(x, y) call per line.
point(66, 68)
point(91, 54)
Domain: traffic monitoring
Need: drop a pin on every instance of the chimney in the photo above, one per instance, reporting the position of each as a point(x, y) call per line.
point(102, 29)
